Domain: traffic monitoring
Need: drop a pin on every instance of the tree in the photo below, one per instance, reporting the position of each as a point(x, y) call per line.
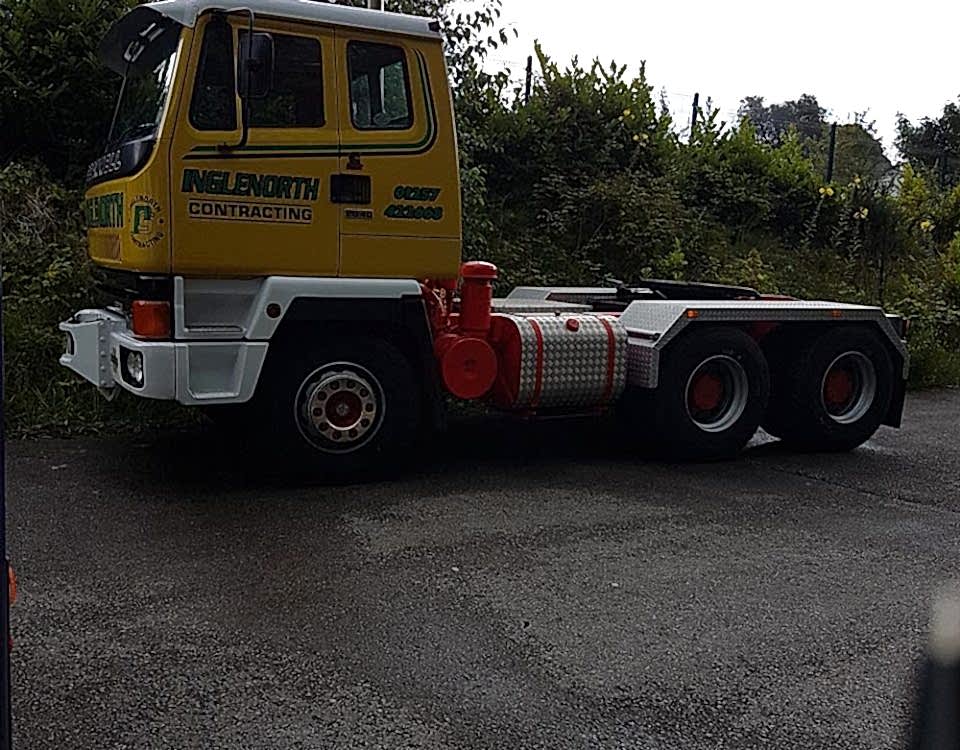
point(773, 122)
point(471, 30)
point(933, 144)
point(55, 96)
point(859, 153)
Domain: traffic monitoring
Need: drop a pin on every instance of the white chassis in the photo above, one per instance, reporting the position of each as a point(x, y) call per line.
point(223, 329)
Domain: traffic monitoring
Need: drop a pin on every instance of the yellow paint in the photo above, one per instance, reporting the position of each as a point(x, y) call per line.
point(391, 246)
point(191, 211)
point(373, 256)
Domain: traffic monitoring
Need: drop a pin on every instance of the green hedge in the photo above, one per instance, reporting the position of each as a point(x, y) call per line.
point(46, 278)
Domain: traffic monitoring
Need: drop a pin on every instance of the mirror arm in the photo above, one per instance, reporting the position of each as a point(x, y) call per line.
point(245, 98)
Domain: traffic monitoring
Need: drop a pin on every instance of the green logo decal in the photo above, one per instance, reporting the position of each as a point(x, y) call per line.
point(146, 222)
point(104, 211)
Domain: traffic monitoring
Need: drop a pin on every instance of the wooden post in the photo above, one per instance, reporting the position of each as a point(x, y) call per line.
point(528, 87)
point(695, 115)
point(832, 153)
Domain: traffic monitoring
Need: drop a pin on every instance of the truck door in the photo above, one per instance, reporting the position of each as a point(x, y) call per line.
point(400, 207)
point(263, 207)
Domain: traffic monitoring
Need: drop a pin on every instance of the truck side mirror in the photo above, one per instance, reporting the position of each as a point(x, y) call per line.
point(255, 68)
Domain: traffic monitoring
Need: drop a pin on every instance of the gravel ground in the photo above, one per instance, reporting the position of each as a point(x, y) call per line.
point(527, 586)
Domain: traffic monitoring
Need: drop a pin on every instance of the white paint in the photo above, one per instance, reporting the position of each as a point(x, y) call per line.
point(186, 13)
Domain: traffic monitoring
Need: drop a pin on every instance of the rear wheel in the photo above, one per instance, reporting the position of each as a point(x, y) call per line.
point(341, 408)
point(712, 393)
point(831, 392)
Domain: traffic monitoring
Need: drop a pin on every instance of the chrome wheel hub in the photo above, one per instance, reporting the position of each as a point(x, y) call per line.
point(340, 407)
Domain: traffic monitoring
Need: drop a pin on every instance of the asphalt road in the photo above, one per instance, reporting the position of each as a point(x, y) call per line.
point(526, 587)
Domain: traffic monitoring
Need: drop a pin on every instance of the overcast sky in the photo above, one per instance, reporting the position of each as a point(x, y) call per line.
point(855, 56)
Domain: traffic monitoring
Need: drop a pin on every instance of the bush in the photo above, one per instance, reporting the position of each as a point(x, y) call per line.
point(46, 278)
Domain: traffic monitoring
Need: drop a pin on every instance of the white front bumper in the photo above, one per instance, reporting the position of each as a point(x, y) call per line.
point(191, 372)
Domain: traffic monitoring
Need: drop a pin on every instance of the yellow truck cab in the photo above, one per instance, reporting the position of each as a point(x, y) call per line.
point(276, 224)
point(321, 163)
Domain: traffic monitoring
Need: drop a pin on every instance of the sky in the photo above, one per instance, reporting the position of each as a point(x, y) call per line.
point(854, 56)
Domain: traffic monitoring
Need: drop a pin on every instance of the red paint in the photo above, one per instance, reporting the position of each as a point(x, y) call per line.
point(479, 270)
point(506, 341)
point(476, 296)
point(573, 325)
point(838, 387)
point(343, 409)
point(468, 365)
point(706, 392)
point(435, 298)
point(611, 358)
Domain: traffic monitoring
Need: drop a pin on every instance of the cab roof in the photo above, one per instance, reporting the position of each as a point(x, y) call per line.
point(186, 13)
point(147, 21)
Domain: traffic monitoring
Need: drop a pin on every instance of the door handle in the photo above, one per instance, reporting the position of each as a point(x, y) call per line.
point(354, 189)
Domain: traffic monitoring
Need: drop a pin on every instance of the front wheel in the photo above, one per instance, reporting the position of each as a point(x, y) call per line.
point(341, 408)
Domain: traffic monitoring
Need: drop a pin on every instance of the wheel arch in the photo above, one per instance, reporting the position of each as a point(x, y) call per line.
point(401, 322)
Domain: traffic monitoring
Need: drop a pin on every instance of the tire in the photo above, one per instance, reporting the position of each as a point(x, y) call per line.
point(342, 409)
point(832, 391)
point(713, 391)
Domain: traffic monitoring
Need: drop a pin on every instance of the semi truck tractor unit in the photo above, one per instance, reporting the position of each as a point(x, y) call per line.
point(276, 229)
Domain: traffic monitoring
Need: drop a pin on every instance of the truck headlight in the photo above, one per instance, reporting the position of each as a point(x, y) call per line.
point(133, 366)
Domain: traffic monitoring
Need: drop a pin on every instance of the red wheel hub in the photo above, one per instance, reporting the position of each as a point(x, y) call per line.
point(344, 409)
point(838, 387)
point(706, 392)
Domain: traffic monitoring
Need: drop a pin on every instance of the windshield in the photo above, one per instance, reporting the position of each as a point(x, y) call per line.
point(141, 102)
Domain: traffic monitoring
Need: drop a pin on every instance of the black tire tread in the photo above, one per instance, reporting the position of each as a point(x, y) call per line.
point(795, 414)
point(672, 434)
point(281, 439)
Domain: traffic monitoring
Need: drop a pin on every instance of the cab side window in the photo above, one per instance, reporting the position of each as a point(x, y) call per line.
point(214, 104)
point(379, 87)
point(295, 99)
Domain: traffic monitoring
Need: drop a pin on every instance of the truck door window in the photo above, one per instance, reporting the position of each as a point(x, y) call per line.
point(214, 104)
point(379, 87)
point(296, 98)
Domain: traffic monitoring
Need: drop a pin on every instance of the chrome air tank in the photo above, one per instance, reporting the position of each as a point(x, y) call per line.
point(568, 361)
